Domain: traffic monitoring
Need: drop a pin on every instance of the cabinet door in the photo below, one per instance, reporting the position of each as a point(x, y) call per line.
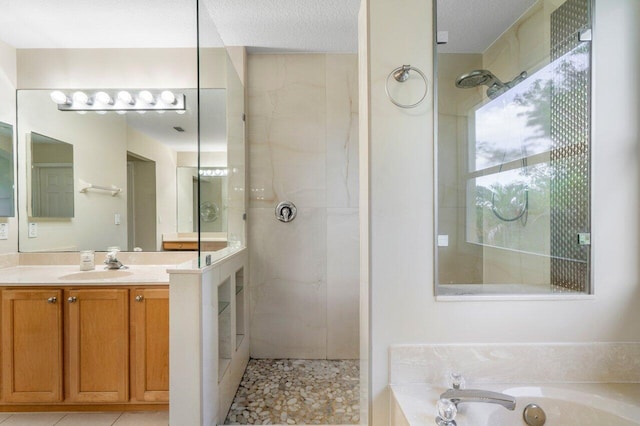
point(32, 345)
point(98, 345)
point(150, 313)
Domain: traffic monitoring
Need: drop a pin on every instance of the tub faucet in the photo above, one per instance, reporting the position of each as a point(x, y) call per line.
point(112, 262)
point(476, 395)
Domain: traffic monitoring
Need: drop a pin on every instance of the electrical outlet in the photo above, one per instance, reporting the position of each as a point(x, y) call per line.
point(33, 230)
point(117, 219)
point(4, 231)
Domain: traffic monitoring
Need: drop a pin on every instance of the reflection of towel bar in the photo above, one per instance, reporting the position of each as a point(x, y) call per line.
point(84, 186)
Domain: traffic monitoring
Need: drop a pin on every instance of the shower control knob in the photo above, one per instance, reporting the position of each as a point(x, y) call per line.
point(286, 211)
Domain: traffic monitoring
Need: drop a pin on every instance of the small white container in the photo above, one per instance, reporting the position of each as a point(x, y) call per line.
point(87, 260)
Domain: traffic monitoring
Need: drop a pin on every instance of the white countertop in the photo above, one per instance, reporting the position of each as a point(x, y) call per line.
point(65, 275)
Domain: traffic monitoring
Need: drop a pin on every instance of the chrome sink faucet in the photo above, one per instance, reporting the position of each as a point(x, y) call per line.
point(112, 261)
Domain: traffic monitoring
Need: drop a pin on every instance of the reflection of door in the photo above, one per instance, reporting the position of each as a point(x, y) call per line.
point(53, 191)
point(141, 202)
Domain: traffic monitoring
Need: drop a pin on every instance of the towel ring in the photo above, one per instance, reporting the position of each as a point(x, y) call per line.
point(401, 74)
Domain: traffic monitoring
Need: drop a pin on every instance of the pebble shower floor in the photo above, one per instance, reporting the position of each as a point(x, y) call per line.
point(302, 392)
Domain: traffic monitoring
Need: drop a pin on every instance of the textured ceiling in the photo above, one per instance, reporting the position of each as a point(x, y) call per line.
point(98, 23)
point(261, 25)
point(288, 25)
point(474, 24)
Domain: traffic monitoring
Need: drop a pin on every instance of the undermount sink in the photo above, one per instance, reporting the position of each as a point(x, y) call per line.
point(97, 275)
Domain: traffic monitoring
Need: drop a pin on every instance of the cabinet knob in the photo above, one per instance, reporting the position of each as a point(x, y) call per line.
point(139, 298)
point(52, 299)
point(72, 299)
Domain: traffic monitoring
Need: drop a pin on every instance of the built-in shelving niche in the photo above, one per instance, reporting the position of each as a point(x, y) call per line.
point(240, 306)
point(225, 343)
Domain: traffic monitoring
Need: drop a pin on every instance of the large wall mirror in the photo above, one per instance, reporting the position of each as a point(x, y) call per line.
point(513, 147)
point(100, 178)
point(6, 171)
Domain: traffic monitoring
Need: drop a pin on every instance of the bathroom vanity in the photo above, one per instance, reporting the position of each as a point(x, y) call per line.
point(84, 340)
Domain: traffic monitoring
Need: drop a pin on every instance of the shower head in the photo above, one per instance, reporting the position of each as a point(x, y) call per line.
point(486, 78)
point(476, 78)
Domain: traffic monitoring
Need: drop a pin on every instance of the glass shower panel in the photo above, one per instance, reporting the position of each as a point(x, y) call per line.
point(212, 186)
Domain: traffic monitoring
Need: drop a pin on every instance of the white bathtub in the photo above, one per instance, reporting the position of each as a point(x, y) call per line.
point(564, 405)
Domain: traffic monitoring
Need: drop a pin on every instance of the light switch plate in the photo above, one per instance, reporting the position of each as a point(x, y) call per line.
point(4, 231)
point(443, 240)
point(116, 219)
point(33, 230)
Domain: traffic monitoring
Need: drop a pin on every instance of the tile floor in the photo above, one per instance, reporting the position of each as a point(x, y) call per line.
point(147, 418)
point(297, 392)
point(272, 392)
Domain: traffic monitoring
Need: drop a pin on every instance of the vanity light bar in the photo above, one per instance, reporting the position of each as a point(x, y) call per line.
point(120, 100)
point(213, 172)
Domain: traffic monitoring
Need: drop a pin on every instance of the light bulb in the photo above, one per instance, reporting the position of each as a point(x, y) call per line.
point(181, 111)
point(126, 97)
point(60, 98)
point(168, 97)
point(81, 112)
point(146, 96)
point(104, 98)
point(82, 98)
point(141, 111)
point(121, 112)
point(101, 112)
point(161, 111)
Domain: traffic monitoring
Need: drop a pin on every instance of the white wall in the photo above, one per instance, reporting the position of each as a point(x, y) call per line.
point(97, 140)
point(8, 83)
point(302, 131)
point(400, 155)
point(106, 68)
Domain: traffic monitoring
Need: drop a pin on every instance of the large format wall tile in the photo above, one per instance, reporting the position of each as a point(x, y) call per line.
point(304, 148)
point(343, 286)
point(288, 285)
point(342, 130)
point(287, 129)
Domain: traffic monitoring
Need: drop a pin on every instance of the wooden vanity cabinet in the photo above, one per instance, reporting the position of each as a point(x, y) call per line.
point(97, 345)
point(79, 347)
point(150, 344)
point(32, 345)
